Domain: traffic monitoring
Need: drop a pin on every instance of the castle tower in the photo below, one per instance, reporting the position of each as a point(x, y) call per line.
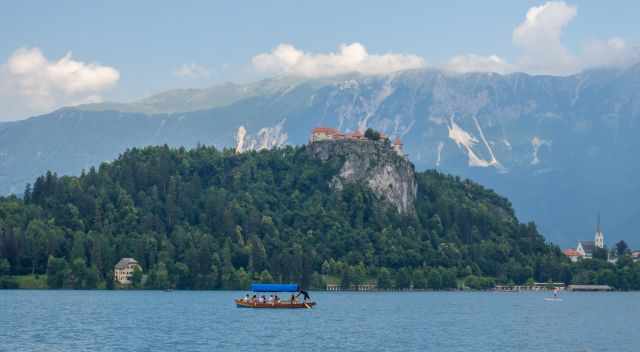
point(599, 240)
point(397, 147)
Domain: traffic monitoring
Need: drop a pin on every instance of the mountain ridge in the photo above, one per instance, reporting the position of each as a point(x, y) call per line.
point(561, 148)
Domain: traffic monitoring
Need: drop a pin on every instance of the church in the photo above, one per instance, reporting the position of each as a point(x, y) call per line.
point(585, 249)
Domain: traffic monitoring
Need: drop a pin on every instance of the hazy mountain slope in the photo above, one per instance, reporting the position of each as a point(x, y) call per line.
point(561, 148)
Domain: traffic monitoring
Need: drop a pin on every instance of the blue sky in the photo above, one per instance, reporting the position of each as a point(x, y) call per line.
point(142, 45)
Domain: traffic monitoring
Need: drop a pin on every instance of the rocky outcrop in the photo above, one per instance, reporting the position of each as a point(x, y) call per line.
point(375, 164)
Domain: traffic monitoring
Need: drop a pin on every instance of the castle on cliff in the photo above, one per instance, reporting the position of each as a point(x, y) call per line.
point(332, 134)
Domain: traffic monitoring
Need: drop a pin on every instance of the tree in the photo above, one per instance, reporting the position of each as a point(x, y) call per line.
point(136, 277)
point(265, 277)
point(622, 248)
point(600, 253)
point(110, 281)
point(91, 278)
point(372, 134)
point(57, 272)
point(5, 267)
point(479, 283)
point(78, 273)
point(159, 277)
point(385, 279)
point(434, 279)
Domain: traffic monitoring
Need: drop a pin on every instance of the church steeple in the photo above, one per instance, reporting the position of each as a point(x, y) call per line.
point(599, 240)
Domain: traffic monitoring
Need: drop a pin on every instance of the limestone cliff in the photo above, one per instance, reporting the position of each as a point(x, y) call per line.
point(375, 164)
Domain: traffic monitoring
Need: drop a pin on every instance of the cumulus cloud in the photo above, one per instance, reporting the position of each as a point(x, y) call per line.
point(285, 58)
point(478, 63)
point(30, 83)
point(612, 52)
point(539, 36)
point(193, 71)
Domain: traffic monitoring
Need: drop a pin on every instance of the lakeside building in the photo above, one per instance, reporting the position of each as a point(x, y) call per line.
point(332, 134)
point(123, 271)
point(536, 286)
point(589, 288)
point(363, 287)
point(585, 249)
point(573, 254)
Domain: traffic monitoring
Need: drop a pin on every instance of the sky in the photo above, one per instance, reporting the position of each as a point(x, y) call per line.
point(60, 53)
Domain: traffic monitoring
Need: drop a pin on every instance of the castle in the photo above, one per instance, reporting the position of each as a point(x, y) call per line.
point(332, 134)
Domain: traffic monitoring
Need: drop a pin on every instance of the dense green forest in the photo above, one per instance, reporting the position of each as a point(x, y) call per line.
point(209, 219)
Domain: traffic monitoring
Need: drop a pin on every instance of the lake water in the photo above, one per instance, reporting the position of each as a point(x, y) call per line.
point(418, 321)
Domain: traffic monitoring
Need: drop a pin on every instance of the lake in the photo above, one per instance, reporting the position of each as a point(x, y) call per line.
point(412, 321)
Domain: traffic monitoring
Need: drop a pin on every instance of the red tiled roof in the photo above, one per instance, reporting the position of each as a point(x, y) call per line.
point(327, 130)
point(355, 135)
point(570, 252)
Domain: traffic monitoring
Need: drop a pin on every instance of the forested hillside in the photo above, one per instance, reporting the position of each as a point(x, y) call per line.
point(207, 219)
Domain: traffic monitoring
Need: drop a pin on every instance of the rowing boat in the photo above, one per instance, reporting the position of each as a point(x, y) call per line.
point(274, 288)
point(242, 304)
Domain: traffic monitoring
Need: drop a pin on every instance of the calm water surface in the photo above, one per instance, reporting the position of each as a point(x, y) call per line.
point(208, 321)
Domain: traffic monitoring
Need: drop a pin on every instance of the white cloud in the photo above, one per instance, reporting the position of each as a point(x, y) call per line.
point(539, 37)
point(285, 58)
point(478, 63)
point(612, 52)
point(193, 71)
point(31, 84)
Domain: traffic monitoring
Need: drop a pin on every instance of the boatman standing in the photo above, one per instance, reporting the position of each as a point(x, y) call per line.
point(305, 295)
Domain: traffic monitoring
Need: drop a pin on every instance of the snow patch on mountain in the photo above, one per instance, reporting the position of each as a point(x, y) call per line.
point(465, 140)
point(266, 138)
point(536, 143)
point(240, 135)
point(440, 146)
point(493, 160)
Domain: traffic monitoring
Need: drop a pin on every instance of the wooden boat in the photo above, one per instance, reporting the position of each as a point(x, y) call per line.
point(242, 304)
point(274, 288)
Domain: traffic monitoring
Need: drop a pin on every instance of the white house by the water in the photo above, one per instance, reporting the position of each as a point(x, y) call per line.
point(123, 271)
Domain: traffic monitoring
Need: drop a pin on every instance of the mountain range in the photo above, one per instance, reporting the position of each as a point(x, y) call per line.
point(561, 149)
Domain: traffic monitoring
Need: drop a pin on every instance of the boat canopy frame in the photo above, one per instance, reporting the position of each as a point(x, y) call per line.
point(274, 287)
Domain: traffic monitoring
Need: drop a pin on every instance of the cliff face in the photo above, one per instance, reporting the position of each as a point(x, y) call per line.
point(375, 164)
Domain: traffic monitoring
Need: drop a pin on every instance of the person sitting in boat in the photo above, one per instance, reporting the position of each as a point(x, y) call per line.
point(276, 299)
point(293, 299)
point(246, 298)
point(305, 295)
point(270, 299)
point(253, 299)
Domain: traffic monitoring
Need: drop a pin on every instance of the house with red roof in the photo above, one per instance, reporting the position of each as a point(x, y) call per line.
point(572, 254)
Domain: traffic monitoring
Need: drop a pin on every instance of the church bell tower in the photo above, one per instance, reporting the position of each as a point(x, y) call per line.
point(599, 240)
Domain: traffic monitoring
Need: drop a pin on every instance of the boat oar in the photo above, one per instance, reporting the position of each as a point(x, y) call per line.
point(306, 305)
